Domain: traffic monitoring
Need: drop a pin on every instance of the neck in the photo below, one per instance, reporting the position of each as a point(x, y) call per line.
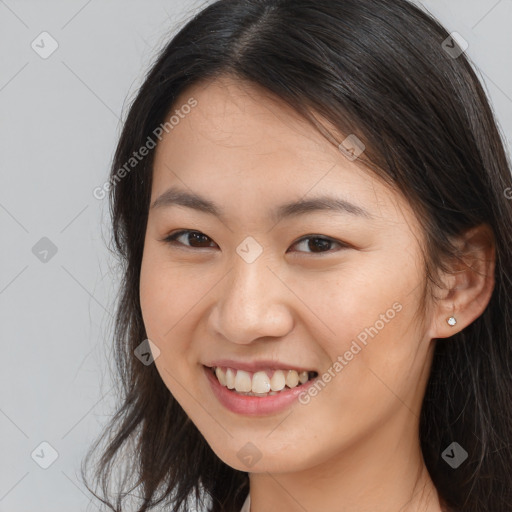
point(373, 474)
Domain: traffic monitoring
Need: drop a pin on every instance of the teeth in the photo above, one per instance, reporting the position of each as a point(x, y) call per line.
point(278, 381)
point(221, 376)
point(230, 378)
point(243, 381)
point(259, 383)
point(292, 378)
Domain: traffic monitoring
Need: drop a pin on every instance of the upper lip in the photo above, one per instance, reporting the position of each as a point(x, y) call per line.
point(254, 366)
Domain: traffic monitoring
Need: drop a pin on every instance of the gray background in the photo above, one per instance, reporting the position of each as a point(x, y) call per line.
point(60, 119)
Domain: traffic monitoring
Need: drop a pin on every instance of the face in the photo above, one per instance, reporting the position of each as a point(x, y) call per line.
point(273, 296)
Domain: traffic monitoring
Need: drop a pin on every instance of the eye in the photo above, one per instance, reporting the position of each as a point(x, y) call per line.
point(319, 244)
point(316, 244)
point(187, 234)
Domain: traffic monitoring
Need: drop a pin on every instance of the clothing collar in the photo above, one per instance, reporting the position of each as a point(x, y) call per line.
point(247, 504)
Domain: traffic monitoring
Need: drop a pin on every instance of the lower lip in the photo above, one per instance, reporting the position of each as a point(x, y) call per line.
point(254, 405)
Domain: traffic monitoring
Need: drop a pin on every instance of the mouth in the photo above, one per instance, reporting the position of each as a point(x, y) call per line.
point(262, 383)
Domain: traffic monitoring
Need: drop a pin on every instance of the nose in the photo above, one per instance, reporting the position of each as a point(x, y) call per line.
point(252, 302)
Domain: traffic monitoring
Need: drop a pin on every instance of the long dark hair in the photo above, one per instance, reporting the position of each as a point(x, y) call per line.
point(383, 70)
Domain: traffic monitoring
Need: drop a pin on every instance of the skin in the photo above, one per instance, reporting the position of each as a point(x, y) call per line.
point(354, 446)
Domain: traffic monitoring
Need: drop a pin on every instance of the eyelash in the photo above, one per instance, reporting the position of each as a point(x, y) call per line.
point(171, 239)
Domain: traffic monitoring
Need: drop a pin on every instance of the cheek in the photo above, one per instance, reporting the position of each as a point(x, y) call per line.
point(369, 325)
point(165, 294)
point(380, 367)
point(356, 297)
point(169, 298)
point(161, 314)
point(152, 292)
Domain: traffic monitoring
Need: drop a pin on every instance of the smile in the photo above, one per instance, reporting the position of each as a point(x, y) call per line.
point(261, 383)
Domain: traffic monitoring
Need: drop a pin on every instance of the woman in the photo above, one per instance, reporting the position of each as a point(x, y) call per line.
point(310, 202)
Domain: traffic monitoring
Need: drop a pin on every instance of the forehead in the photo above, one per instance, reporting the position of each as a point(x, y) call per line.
point(241, 145)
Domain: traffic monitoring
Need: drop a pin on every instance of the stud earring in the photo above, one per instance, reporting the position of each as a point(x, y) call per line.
point(452, 321)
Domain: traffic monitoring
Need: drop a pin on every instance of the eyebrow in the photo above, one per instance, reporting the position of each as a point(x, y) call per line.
point(174, 196)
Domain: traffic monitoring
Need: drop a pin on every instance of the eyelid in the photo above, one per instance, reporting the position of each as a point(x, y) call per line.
point(341, 244)
point(171, 239)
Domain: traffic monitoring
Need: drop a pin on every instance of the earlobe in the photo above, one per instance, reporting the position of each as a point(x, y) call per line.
point(451, 321)
point(469, 284)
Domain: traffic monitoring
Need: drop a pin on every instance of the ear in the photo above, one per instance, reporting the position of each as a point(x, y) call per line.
point(468, 286)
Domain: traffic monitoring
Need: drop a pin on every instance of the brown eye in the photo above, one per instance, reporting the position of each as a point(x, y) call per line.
point(317, 244)
point(196, 239)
